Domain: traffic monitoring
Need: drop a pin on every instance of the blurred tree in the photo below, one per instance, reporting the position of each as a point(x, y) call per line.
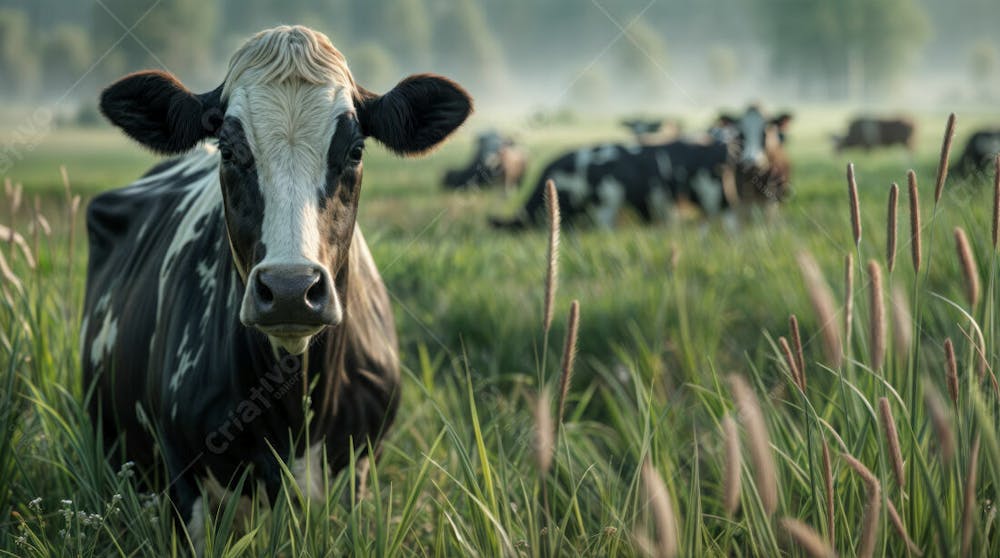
point(372, 66)
point(465, 46)
point(176, 35)
point(18, 65)
point(835, 49)
point(641, 61)
point(984, 63)
point(405, 29)
point(591, 90)
point(723, 65)
point(65, 57)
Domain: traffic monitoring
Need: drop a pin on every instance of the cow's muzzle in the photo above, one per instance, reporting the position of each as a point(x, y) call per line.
point(291, 301)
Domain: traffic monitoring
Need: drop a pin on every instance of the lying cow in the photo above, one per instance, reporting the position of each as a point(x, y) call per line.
point(498, 160)
point(596, 183)
point(869, 133)
point(227, 283)
point(979, 154)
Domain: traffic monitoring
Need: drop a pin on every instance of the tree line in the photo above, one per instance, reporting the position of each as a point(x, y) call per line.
point(820, 49)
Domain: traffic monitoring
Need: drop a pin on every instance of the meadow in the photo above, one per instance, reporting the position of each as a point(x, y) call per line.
point(692, 426)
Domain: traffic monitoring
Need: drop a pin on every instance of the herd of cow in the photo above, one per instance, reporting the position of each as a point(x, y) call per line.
point(235, 320)
point(739, 160)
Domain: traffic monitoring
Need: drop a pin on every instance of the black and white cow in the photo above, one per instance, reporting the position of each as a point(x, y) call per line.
point(979, 153)
point(229, 282)
point(498, 160)
point(595, 183)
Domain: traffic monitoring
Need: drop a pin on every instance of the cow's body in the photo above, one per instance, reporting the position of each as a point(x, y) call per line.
point(596, 183)
point(979, 153)
point(169, 337)
point(498, 160)
point(234, 318)
point(870, 133)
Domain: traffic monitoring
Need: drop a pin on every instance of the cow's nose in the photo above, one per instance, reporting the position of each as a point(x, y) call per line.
point(292, 295)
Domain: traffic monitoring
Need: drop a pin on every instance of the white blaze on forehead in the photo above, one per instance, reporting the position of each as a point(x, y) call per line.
point(288, 127)
point(752, 125)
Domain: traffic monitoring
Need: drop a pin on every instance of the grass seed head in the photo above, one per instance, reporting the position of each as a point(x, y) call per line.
point(569, 356)
point(876, 311)
point(942, 171)
point(822, 302)
point(915, 249)
point(733, 466)
point(765, 473)
point(890, 242)
point(667, 541)
point(852, 192)
point(892, 441)
point(951, 370)
point(806, 538)
point(552, 272)
point(970, 271)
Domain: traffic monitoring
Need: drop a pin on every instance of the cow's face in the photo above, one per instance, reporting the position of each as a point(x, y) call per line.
point(756, 149)
point(291, 126)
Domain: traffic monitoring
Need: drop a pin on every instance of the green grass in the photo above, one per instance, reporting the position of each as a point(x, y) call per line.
point(667, 313)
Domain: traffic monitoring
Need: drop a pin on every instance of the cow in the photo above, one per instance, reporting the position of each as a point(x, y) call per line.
point(869, 133)
point(498, 160)
point(595, 183)
point(979, 153)
point(234, 318)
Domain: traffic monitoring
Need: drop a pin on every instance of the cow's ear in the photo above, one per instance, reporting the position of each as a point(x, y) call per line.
point(419, 113)
point(726, 120)
point(782, 121)
point(156, 110)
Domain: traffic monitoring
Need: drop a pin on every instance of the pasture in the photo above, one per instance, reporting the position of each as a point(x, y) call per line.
point(668, 314)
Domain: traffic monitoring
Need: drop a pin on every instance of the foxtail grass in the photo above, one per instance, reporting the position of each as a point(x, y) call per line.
point(800, 359)
point(759, 442)
point(942, 170)
point(873, 507)
point(915, 231)
point(852, 194)
point(890, 235)
point(823, 304)
point(876, 310)
point(970, 271)
point(892, 441)
point(733, 466)
point(807, 538)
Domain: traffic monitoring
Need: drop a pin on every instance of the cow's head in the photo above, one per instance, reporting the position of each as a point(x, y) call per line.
point(756, 149)
point(291, 125)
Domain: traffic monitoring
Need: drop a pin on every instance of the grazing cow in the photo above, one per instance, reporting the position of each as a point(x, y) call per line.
point(979, 154)
point(597, 182)
point(498, 160)
point(869, 133)
point(230, 282)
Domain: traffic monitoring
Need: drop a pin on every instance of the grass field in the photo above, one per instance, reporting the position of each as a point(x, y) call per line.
point(660, 450)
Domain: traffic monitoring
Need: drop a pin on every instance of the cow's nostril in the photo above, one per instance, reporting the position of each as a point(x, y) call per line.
point(264, 293)
point(317, 296)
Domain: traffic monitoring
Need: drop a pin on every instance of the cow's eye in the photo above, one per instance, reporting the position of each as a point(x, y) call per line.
point(226, 153)
point(354, 157)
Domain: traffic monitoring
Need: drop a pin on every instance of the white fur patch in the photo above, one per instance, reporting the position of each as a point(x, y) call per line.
point(709, 191)
point(104, 341)
point(611, 194)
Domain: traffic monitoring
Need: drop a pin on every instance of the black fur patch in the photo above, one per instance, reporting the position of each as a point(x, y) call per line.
point(156, 110)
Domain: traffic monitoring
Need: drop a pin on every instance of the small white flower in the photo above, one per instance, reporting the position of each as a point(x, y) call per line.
point(35, 504)
point(21, 541)
point(66, 503)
